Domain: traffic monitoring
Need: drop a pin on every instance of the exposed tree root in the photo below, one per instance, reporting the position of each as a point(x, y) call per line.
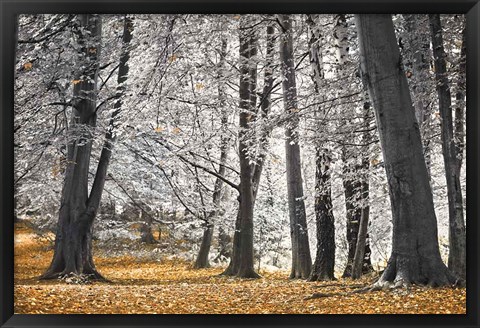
point(341, 286)
point(380, 285)
point(247, 274)
point(74, 277)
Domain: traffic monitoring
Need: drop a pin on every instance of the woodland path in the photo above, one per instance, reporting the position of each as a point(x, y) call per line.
point(168, 286)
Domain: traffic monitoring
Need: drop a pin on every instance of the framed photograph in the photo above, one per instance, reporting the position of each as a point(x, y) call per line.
point(221, 163)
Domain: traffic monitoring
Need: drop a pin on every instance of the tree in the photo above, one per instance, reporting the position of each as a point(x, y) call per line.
point(457, 238)
point(241, 264)
point(202, 258)
point(354, 149)
point(415, 256)
point(73, 252)
point(417, 56)
point(361, 259)
point(323, 267)
point(301, 259)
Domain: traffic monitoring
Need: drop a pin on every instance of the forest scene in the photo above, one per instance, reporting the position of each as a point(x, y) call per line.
point(250, 164)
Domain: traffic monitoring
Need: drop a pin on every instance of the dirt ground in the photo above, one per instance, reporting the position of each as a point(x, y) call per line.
point(168, 286)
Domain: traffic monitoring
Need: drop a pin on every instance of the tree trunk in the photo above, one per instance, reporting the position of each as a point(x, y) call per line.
point(301, 259)
point(460, 105)
point(415, 254)
point(265, 105)
point(202, 257)
point(73, 242)
point(417, 62)
point(323, 268)
point(359, 258)
point(353, 212)
point(241, 264)
point(457, 237)
point(353, 199)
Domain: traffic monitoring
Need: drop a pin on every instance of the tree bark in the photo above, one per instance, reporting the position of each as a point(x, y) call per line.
point(359, 258)
point(265, 107)
point(73, 242)
point(417, 46)
point(460, 105)
point(415, 256)
point(353, 199)
point(202, 257)
point(241, 264)
point(301, 258)
point(457, 234)
point(351, 155)
point(323, 267)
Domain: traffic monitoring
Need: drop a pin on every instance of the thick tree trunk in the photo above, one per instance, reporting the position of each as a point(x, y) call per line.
point(301, 258)
point(241, 264)
point(73, 242)
point(323, 268)
point(415, 254)
point(417, 61)
point(457, 235)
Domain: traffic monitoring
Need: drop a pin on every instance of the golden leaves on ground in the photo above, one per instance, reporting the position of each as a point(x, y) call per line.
point(173, 286)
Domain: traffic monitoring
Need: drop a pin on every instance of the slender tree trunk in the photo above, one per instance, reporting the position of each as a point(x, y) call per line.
point(265, 106)
point(301, 258)
point(352, 170)
point(359, 258)
point(457, 237)
point(323, 268)
point(73, 242)
point(202, 257)
point(353, 211)
point(460, 106)
point(241, 264)
point(415, 254)
point(353, 186)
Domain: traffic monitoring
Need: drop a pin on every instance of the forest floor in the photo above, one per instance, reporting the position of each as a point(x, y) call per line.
point(169, 286)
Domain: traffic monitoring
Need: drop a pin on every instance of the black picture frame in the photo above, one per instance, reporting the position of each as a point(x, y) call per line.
point(10, 8)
